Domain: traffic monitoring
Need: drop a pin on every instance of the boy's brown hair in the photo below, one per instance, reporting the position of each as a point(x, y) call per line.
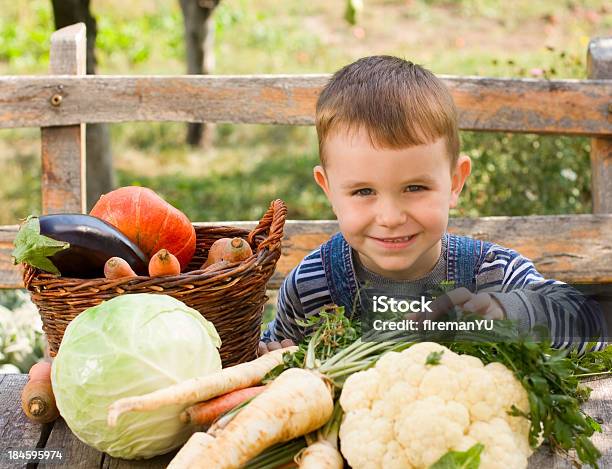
point(399, 104)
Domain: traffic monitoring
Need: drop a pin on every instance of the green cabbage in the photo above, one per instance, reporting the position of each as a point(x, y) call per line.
point(128, 346)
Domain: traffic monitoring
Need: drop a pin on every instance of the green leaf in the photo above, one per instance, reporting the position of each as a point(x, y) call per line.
point(563, 433)
point(434, 358)
point(595, 362)
point(469, 459)
point(35, 249)
point(595, 426)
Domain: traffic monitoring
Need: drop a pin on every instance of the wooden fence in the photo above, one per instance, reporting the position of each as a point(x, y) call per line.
point(573, 248)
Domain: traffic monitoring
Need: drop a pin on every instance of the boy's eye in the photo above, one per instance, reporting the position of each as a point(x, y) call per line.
point(415, 188)
point(363, 192)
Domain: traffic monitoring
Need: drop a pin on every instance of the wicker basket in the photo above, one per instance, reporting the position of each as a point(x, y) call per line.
point(232, 298)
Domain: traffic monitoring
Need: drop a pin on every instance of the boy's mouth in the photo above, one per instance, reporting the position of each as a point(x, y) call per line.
point(397, 240)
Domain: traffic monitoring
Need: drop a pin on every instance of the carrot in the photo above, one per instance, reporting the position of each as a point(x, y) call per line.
point(38, 401)
point(116, 267)
point(215, 252)
point(237, 250)
point(220, 265)
point(297, 402)
point(203, 388)
point(228, 249)
point(162, 263)
point(40, 371)
point(205, 413)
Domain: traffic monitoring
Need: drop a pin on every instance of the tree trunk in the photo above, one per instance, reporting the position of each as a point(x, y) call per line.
point(199, 35)
point(100, 175)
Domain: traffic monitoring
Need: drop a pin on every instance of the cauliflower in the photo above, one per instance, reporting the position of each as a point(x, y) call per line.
point(404, 413)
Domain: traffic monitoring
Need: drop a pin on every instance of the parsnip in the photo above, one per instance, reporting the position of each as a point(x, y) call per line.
point(203, 388)
point(197, 440)
point(297, 402)
point(322, 450)
point(320, 455)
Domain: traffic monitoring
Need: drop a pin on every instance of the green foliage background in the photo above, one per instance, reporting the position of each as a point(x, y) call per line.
point(248, 165)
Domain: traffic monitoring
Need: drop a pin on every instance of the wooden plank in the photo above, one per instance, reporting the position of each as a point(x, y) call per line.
point(601, 174)
point(75, 453)
point(572, 248)
point(16, 431)
point(599, 406)
point(68, 49)
point(525, 105)
point(63, 169)
point(10, 275)
point(599, 66)
point(63, 148)
point(159, 462)
point(577, 107)
point(599, 58)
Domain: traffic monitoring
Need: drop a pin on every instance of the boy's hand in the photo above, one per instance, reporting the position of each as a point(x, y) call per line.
point(483, 304)
point(274, 345)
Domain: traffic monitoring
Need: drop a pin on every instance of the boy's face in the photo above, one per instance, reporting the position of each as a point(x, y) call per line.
point(392, 205)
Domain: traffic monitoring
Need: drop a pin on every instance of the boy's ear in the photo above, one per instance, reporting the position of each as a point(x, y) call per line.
point(321, 178)
point(462, 170)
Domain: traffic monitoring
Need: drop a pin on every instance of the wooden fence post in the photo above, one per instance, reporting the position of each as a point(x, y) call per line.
point(599, 66)
point(63, 148)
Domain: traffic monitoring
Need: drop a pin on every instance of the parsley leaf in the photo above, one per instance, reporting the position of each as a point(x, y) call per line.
point(434, 358)
point(469, 459)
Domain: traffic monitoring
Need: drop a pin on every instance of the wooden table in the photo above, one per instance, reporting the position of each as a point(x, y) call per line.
point(16, 431)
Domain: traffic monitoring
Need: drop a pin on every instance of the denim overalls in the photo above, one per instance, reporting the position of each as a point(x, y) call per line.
point(465, 255)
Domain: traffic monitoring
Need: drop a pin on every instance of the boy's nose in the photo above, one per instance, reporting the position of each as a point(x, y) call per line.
point(390, 214)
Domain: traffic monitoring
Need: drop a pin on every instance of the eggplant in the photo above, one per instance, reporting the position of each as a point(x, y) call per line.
point(92, 243)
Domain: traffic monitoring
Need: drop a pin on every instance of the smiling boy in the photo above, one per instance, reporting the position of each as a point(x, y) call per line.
point(391, 170)
point(392, 205)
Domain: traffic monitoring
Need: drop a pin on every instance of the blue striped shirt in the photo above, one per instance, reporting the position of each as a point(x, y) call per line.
point(526, 296)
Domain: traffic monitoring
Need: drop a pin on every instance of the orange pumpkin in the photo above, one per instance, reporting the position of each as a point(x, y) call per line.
point(149, 221)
